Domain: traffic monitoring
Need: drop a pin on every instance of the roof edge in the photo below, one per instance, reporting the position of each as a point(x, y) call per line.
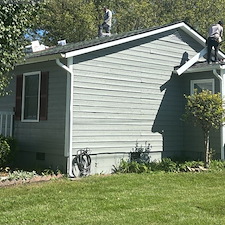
point(105, 44)
point(42, 59)
point(131, 38)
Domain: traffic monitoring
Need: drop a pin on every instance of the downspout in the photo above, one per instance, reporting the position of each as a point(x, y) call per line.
point(222, 132)
point(69, 112)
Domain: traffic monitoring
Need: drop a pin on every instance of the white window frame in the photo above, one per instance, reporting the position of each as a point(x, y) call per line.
point(193, 82)
point(23, 97)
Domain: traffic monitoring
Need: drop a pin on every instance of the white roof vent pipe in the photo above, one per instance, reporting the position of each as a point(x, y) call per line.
point(62, 42)
point(35, 47)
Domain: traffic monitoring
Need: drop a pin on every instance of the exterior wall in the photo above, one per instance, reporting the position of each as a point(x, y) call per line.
point(36, 138)
point(127, 94)
point(193, 136)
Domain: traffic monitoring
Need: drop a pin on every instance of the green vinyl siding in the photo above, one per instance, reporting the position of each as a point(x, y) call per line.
point(193, 135)
point(121, 95)
point(127, 93)
point(45, 136)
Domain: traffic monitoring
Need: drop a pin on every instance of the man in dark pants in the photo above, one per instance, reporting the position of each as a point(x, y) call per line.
point(214, 39)
point(106, 25)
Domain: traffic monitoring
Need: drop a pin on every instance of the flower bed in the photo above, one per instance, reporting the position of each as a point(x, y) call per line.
point(23, 177)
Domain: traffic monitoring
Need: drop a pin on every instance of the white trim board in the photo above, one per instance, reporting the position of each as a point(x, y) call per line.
point(181, 25)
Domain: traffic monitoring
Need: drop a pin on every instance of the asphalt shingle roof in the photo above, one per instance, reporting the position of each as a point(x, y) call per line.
point(85, 44)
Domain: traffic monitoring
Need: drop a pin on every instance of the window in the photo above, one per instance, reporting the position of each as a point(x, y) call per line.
point(31, 97)
point(200, 85)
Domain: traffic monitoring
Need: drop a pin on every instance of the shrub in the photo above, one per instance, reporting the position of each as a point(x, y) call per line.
point(131, 167)
point(20, 174)
point(166, 165)
point(8, 147)
point(217, 165)
point(4, 151)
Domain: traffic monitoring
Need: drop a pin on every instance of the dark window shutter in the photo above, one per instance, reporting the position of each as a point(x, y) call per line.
point(19, 88)
point(44, 96)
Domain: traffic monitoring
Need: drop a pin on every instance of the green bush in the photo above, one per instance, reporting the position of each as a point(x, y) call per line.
point(20, 174)
point(8, 149)
point(217, 165)
point(4, 152)
point(131, 167)
point(166, 165)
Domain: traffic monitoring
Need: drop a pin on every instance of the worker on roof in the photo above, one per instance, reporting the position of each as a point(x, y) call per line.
point(214, 40)
point(106, 25)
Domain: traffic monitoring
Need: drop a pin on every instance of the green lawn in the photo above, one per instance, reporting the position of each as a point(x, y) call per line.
point(157, 198)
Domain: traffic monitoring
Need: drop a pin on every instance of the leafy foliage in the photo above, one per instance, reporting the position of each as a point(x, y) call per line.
point(166, 165)
point(206, 110)
point(15, 18)
point(8, 148)
point(73, 20)
point(131, 167)
point(4, 151)
point(78, 20)
point(20, 174)
point(217, 165)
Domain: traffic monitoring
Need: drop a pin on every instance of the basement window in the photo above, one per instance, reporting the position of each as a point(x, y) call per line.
point(200, 85)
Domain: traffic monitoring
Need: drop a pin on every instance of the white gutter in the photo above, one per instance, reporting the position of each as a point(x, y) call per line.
point(40, 59)
point(69, 113)
point(63, 66)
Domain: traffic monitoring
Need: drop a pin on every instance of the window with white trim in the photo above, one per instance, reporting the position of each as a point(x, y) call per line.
point(31, 97)
point(203, 84)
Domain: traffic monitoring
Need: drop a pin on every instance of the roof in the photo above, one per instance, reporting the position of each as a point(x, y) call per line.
point(202, 66)
point(73, 49)
point(195, 65)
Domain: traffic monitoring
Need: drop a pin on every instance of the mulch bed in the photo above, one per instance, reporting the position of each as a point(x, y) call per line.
point(36, 178)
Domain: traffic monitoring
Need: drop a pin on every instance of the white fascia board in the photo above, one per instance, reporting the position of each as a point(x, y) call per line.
point(193, 34)
point(124, 40)
point(193, 60)
point(197, 37)
point(41, 59)
point(190, 62)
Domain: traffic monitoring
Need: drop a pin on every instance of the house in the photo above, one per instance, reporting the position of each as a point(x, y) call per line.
point(109, 94)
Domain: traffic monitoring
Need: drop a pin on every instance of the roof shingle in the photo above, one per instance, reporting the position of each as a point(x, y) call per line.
point(85, 44)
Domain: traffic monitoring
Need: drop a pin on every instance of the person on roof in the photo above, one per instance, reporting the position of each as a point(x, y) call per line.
point(106, 25)
point(214, 38)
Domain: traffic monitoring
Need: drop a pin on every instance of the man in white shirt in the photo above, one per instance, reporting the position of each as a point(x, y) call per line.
point(106, 25)
point(214, 39)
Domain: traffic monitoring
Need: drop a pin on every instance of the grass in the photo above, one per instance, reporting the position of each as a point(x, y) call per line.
point(155, 198)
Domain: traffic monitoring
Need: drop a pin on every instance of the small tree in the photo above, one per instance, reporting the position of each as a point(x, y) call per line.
point(205, 109)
